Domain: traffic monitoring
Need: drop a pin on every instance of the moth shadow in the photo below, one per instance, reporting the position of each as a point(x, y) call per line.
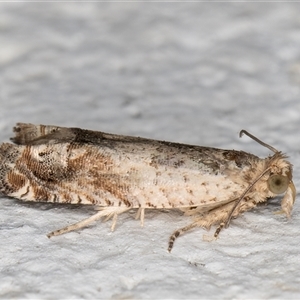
point(47, 206)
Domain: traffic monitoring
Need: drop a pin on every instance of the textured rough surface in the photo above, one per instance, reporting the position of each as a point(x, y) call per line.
point(192, 73)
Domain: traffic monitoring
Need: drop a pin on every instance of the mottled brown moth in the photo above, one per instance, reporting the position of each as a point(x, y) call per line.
point(116, 173)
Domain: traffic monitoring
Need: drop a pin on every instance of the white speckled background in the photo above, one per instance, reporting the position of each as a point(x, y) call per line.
point(186, 72)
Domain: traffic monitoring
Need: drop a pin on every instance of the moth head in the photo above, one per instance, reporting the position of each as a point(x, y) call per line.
point(281, 182)
point(278, 184)
point(280, 177)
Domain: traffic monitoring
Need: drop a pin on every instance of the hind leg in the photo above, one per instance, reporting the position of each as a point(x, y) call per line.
point(218, 216)
point(104, 212)
point(179, 232)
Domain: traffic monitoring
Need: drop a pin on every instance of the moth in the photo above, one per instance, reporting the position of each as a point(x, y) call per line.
point(117, 173)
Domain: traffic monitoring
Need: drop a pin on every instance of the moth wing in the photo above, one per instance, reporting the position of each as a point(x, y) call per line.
point(30, 134)
point(148, 173)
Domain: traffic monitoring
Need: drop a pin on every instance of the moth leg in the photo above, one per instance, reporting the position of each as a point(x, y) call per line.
point(179, 232)
point(217, 216)
point(198, 223)
point(115, 217)
point(218, 230)
point(105, 212)
point(140, 215)
point(112, 212)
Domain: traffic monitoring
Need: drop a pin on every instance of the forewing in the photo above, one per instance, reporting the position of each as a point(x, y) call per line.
point(81, 166)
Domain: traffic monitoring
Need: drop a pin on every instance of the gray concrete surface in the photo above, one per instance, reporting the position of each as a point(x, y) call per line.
point(186, 72)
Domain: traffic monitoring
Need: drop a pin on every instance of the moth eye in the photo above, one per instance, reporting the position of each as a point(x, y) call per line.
point(278, 184)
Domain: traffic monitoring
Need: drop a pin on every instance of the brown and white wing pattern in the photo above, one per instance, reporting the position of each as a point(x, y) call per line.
point(73, 165)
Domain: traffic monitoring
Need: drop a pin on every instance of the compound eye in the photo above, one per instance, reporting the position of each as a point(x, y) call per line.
point(278, 184)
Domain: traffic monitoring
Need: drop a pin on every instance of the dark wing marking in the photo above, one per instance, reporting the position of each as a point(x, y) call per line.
point(30, 134)
point(163, 152)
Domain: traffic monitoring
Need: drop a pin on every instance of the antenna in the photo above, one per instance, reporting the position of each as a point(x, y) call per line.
point(258, 140)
